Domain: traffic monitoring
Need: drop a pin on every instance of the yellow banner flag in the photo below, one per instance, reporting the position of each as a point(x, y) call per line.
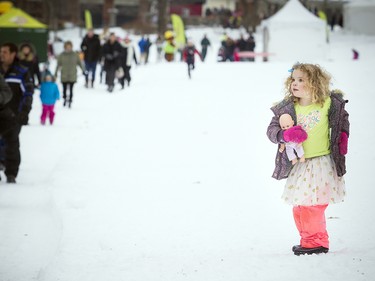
point(179, 30)
point(88, 19)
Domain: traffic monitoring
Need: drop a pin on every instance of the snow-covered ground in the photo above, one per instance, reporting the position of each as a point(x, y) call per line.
point(170, 179)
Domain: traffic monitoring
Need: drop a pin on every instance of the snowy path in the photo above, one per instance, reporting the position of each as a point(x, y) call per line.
point(167, 180)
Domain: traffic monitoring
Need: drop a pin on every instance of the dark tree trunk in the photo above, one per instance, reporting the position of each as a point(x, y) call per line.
point(162, 16)
point(246, 16)
point(143, 12)
point(254, 19)
point(107, 6)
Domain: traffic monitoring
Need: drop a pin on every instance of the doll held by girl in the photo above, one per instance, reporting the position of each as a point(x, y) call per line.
point(295, 132)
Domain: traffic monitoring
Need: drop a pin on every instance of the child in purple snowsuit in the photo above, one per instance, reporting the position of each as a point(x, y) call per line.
point(49, 94)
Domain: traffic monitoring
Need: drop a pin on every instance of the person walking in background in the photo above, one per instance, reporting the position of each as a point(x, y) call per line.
point(127, 57)
point(250, 45)
point(205, 43)
point(188, 54)
point(67, 63)
point(22, 87)
point(241, 43)
point(28, 58)
point(111, 55)
point(318, 181)
point(90, 47)
point(104, 36)
point(159, 47)
point(142, 44)
point(49, 94)
point(147, 49)
point(229, 50)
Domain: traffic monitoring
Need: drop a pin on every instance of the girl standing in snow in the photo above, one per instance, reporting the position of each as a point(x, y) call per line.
point(313, 184)
point(49, 94)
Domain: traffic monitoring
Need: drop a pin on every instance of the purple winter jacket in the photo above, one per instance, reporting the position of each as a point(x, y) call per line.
point(338, 122)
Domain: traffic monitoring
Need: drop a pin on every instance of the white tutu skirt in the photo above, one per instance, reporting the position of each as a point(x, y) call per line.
point(314, 182)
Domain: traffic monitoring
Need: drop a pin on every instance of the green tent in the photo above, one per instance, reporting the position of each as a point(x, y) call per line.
point(18, 27)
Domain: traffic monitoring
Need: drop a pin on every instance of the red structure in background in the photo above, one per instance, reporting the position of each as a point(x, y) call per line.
point(186, 9)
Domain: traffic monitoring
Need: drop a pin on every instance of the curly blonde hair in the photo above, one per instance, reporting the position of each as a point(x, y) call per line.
point(318, 81)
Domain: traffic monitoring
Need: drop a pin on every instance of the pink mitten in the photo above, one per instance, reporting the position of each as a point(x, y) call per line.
point(343, 143)
point(295, 134)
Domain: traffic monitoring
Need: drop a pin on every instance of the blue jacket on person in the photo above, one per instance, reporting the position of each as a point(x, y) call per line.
point(49, 93)
point(142, 45)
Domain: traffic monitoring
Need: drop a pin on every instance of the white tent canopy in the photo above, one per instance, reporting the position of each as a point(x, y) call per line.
point(295, 34)
point(359, 17)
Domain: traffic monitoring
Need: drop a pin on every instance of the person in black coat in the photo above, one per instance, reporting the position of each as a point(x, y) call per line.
point(111, 55)
point(28, 57)
point(250, 45)
point(5, 92)
point(90, 47)
point(241, 44)
point(22, 87)
point(205, 43)
point(6, 116)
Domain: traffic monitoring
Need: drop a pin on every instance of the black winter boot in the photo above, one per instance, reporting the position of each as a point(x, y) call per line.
point(309, 251)
point(11, 179)
point(295, 247)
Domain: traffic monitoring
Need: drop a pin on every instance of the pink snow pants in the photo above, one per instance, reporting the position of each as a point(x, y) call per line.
point(47, 112)
point(311, 224)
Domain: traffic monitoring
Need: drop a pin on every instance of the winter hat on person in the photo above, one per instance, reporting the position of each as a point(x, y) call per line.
point(48, 77)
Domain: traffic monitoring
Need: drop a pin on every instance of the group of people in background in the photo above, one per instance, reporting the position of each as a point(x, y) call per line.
point(223, 16)
point(20, 74)
point(314, 176)
point(16, 96)
point(230, 48)
point(115, 57)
